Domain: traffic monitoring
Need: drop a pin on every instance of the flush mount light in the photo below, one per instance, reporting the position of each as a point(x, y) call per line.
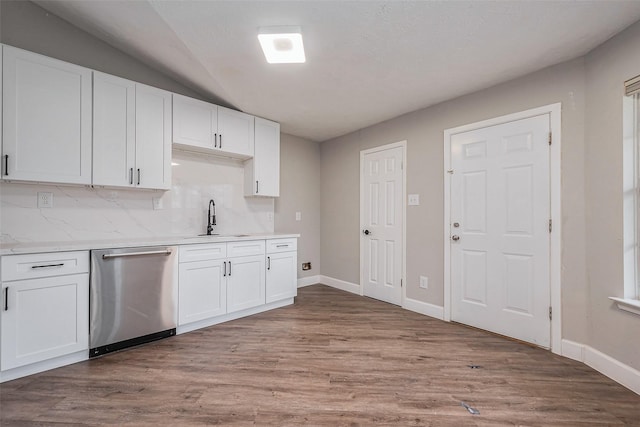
point(282, 45)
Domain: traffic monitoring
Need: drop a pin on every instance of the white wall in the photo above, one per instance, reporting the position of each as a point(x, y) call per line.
point(82, 213)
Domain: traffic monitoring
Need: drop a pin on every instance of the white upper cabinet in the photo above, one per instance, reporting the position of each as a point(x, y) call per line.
point(153, 138)
point(113, 130)
point(46, 118)
point(201, 126)
point(131, 134)
point(235, 132)
point(195, 122)
point(262, 173)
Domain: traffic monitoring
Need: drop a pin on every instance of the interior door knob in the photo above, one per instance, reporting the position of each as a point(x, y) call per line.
point(455, 238)
point(367, 232)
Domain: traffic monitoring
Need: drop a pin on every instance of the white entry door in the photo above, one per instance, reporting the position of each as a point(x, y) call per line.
point(381, 212)
point(499, 228)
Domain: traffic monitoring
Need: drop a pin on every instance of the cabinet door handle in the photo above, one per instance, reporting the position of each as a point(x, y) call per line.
point(138, 176)
point(225, 269)
point(130, 176)
point(6, 164)
point(6, 298)
point(48, 265)
point(257, 188)
point(220, 145)
point(215, 140)
point(229, 268)
point(268, 263)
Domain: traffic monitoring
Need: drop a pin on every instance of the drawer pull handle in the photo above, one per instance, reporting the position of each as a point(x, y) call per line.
point(282, 246)
point(48, 265)
point(6, 298)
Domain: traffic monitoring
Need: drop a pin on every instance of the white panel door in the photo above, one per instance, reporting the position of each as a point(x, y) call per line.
point(235, 132)
point(382, 218)
point(153, 138)
point(282, 276)
point(44, 318)
point(47, 119)
point(202, 291)
point(500, 212)
point(114, 119)
point(194, 122)
point(245, 282)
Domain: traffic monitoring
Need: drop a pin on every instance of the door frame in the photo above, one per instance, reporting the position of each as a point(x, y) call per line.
point(555, 242)
point(403, 145)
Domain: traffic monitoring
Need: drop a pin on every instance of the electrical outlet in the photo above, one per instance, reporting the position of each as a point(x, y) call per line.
point(157, 203)
point(45, 200)
point(298, 216)
point(414, 200)
point(424, 282)
point(306, 266)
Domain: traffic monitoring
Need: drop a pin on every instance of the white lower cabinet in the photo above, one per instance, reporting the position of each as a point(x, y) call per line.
point(202, 292)
point(282, 278)
point(43, 318)
point(245, 282)
point(222, 281)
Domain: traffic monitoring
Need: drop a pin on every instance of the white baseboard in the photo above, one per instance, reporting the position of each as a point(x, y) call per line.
point(603, 363)
point(425, 308)
point(306, 281)
point(340, 284)
point(573, 350)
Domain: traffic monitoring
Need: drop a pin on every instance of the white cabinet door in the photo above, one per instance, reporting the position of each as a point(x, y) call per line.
point(282, 276)
point(202, 291)
point(153, 138)
point(235, 132)
point(44, 318)
point(245, 282)
point(194, 122)
point(46, 119)
point(262, 173)
point(113, 130)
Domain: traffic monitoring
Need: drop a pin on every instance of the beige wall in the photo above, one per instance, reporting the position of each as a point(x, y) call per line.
point(423, 131)
point(612, 331)
point(300, 192)
point(26, 25)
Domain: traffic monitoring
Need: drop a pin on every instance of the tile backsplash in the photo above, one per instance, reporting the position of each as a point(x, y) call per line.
point(83, 213)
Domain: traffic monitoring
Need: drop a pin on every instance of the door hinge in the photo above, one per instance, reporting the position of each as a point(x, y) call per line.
point(550, 225)
point(550, 314)
point(550, 138)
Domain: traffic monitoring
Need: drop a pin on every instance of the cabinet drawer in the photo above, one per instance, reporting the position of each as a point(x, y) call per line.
point(203, 252)
point(245, 248)
point(33, 266)
point(281, 245)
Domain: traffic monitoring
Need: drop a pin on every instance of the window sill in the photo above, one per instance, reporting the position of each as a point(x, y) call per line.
point(627, 304)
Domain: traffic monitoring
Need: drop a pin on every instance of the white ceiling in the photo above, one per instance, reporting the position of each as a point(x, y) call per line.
point(367, 61)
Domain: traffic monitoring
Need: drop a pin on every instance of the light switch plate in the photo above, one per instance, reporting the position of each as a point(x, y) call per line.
point(424, 282)
point(414, 199)
point(298, 216)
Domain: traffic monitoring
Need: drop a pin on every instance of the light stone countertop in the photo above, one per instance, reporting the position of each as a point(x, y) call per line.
point(82, 245)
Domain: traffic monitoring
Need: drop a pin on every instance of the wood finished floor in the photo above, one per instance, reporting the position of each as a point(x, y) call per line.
point(331, 359)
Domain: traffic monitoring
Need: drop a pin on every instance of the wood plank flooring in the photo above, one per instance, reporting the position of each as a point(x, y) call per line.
point(331, 359)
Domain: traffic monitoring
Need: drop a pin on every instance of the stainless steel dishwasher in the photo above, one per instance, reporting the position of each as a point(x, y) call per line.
point(133, 297)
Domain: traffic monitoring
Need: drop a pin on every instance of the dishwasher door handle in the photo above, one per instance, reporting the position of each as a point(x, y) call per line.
point(164, 252)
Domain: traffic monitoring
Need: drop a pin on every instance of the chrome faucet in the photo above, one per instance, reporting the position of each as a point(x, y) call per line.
point(211, 218)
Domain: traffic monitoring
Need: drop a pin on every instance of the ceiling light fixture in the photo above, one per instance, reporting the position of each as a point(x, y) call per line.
point(282, 45)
